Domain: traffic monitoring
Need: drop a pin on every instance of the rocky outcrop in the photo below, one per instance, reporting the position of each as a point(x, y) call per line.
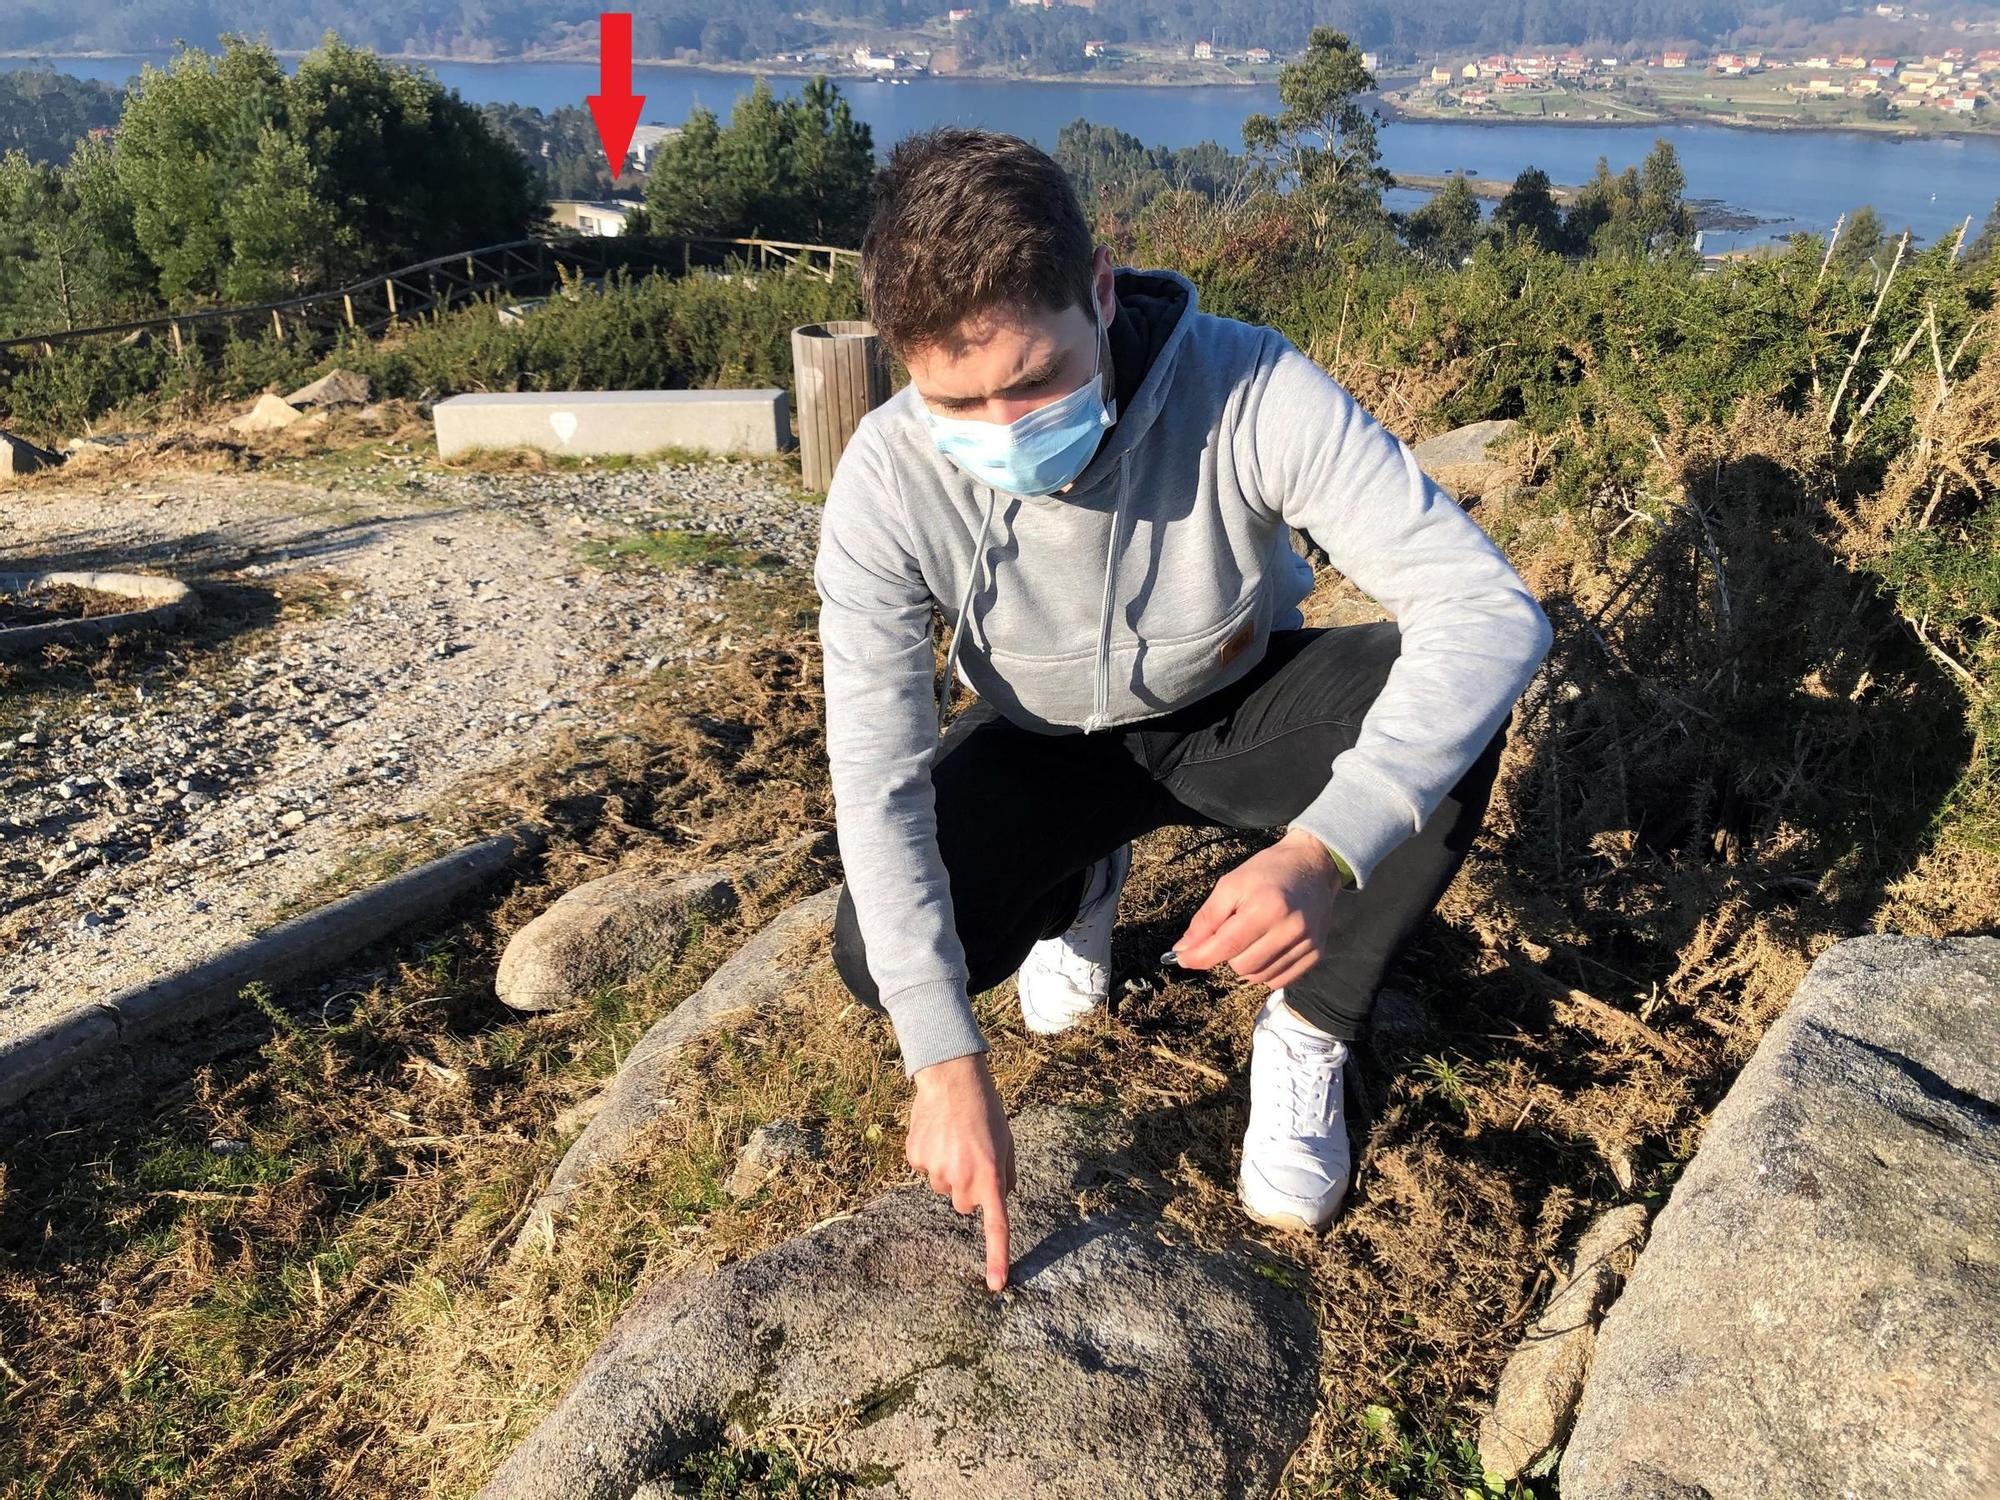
point(1818, 1311)
point(757, 977)
point(336, 387)
point(605, 932)
point(1539, 1387)
point(1121, 1363)
point(1463, 462)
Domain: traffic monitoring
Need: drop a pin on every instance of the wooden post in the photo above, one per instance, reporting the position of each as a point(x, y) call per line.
point(175, 330)
point(390, 286)
point(347, 301)
point(841, 373)
point(277, 324)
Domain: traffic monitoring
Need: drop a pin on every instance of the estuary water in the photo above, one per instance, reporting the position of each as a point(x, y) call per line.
point(1790, 181)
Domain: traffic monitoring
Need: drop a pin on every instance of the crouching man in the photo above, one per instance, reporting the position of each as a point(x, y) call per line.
point(1096, 481)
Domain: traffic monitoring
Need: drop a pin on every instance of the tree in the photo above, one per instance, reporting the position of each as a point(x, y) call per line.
point(1116, 175)
point(1323, 144)
point(689, 190)
point(1663, 224)
point(46, 114)
point(66, 259)
point(188, 133)
point(284, 235)
point(830, 159)
point(1639, 214)
point(796, 169)
point(243, 181)
point(1860, 241)
point(1447, 229)
point(753, 154)
point(414, 170)
point(1529, 211)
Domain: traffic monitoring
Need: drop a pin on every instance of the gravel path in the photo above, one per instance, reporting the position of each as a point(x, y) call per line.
point(145, 827)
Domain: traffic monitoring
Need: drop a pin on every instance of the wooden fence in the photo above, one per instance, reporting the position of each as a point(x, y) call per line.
point(525, 267)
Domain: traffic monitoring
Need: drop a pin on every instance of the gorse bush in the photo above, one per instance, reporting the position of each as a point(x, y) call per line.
point(1765, 521)
point(648, 332)
point(730, 328)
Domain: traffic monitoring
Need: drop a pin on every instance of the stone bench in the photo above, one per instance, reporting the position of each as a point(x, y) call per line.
point(601, 422)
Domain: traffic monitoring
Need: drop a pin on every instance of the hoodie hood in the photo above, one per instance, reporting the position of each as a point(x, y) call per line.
point(1157, 307)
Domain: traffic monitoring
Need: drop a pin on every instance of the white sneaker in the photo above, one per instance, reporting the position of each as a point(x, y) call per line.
point(1066, 977)
point(1296, 1161)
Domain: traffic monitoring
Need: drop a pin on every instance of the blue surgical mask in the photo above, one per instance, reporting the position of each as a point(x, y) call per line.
point(1036, 454)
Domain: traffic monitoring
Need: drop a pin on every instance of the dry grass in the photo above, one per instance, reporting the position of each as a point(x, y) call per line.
point(1733, 759)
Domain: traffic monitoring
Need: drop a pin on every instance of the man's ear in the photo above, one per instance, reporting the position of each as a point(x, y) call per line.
point(1103, 284)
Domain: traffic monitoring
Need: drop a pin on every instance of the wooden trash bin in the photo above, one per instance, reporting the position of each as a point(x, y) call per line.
point(841, 372)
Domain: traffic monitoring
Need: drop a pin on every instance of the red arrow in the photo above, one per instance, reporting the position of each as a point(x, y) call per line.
point(615, 107)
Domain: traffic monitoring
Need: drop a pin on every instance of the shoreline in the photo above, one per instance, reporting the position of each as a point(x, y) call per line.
point(1375, 100)
point(1678, 121)
point(746, 69)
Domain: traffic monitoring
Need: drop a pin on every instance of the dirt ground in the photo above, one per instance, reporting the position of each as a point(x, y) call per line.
point(368, 655)
point(284, 1275)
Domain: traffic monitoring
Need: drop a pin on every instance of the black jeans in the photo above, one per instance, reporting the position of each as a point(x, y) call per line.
point(1022, 815)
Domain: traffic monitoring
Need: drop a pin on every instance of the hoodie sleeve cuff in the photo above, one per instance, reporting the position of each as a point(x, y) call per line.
point(1358, 820)
point(933, 1023)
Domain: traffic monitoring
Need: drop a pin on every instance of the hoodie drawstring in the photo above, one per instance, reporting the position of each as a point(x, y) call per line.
point(959, 627)
point(1100, 702)
point(1100, 710)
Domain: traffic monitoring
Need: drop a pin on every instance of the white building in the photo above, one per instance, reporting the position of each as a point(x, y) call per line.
point(646, 140)
point(590, 216)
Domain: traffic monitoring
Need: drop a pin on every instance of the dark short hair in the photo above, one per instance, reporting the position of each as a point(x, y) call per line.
point(968, 220)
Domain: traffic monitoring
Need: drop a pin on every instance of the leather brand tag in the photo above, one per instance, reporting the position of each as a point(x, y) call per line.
point(1238, 643)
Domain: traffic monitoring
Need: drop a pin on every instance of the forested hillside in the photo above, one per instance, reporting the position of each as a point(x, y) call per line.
point(44, 114)
point(745, 28)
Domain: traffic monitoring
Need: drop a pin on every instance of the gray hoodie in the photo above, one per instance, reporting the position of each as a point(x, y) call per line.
point(1154, 580)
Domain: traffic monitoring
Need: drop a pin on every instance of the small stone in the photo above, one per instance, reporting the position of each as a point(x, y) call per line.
point(606, 931)
point(772, 1147)
point(19, 456)
point(1539, 1387)
point(269, 414)
point(338, 387)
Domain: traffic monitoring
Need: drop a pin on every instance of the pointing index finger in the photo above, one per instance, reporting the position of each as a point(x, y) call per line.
point(994, 1215)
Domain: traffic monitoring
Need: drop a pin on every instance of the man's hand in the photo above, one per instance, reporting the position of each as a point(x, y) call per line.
point(960, 1140)
point(1267, 918)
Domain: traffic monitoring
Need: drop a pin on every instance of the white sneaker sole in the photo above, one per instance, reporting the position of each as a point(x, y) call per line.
point(1043, 1024)
point(1072, 1005)
point(1283, 1218)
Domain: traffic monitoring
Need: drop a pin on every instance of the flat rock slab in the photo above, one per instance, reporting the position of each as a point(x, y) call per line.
point(1818, 1312)
point(1118, 1365)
